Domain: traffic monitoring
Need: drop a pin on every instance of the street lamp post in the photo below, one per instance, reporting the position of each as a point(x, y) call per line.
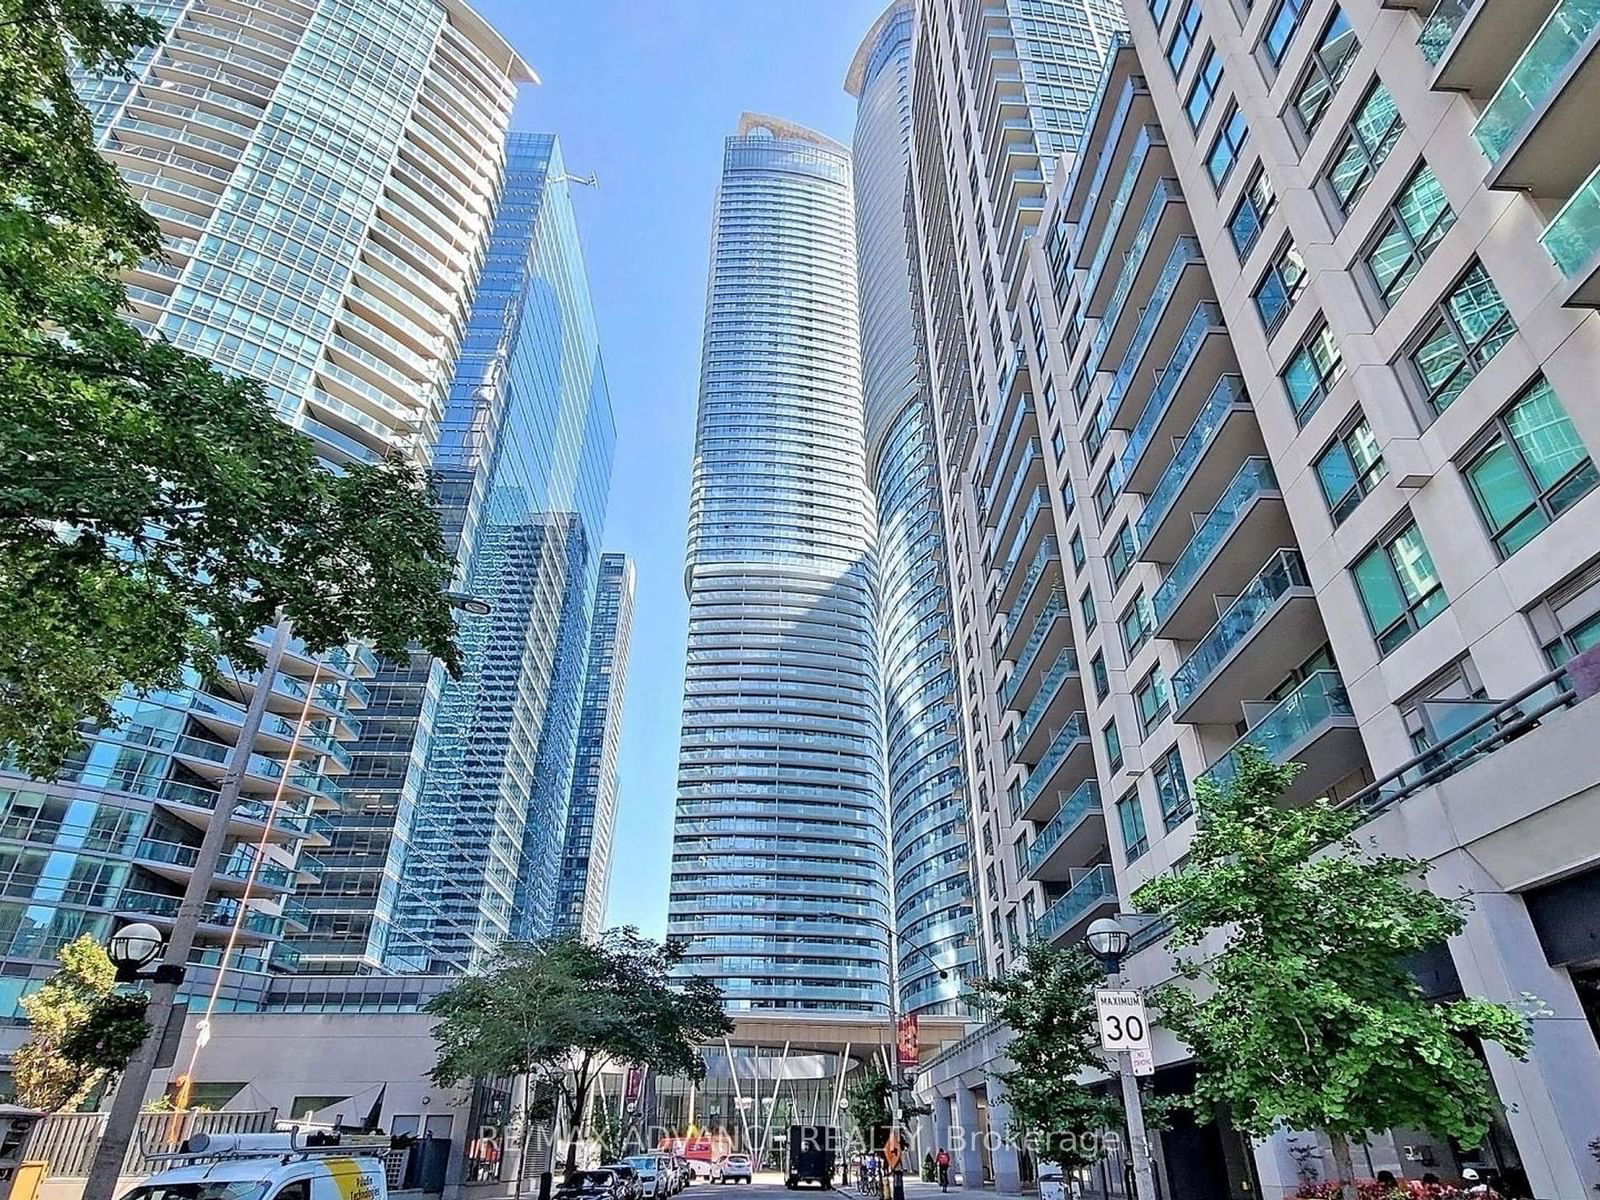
point(1109, 942)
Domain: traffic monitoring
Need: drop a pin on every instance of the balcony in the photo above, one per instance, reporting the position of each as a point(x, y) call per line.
point(1093, 894)
point(175, 861)
point(1029, 469)
point(1485, 40)
point(1034, 593)
point(1222, 436)
point(1247, 524)
point(1313, 725)
point(1539, 130)
point(217, 916)
point(1273, 625)
point(1076, 833)
point(1202, 354)
point(1165, 219)
point(1183, 284)
point(1052, 631)
point(1147, 159)
point(1068, 761)
point(1573, 240)
point(996, 455)
point(1059, 690)
point(1111, 131)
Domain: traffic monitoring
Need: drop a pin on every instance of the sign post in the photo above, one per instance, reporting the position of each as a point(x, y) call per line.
point(1125, 1032)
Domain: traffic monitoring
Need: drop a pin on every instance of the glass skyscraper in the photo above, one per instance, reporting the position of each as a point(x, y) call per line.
point(592, 812)
point(779, 863)
point(926, 776)
point(323, 176)
point(524, 465)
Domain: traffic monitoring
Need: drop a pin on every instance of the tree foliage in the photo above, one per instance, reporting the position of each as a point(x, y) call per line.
point(79, 1030)
point(1047, 1000)
point(1305, 1016)
point(564, 1007)
point(870, 1102)
point(154, 512)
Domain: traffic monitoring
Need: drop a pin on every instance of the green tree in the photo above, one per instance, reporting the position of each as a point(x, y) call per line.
point(1305, 1015)
point(564, 1008)
point(608, 1131)
point(79, 1030)
point(1047, 1000)
point(870, 1103)
point(154, 512)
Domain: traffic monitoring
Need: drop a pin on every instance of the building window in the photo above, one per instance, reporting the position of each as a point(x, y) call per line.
point(1418, 219)
point(1312, 372)
point(1100, 676)
point(1105, 495)
point(1086, 610)
point(1183, 37)
point(1058, 445)
point(1204, 88)
point(1036, 322)
point(1326, 71)
point(1130, 815)
point(1280, 287)
point(1280, 28)
point(1113, 742)
point(1094, 433)
point(1069, 500)
point(1531, 470)
point(1158, 11)
point(1349, 468)
point(1080, 389)
point(1137, 622)
point(1079, 556)
point(1049, 395)
point(1225, 147)
point(1251, 213)
point(1399, 587)
point(1471, 325)
point(1172, 790)
point(1153, 698)
point(1371, 135)
point(1123, 549)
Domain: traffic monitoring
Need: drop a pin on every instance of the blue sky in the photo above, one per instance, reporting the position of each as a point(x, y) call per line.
point(641, 93)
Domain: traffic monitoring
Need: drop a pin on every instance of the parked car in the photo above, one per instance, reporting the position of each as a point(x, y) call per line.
point(652, 1181)
point(593, 1185)
point(685, 1170)
point(631, 1186)
point(732, 1168)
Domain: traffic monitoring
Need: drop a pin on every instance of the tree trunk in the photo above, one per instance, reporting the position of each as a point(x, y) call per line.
point(580, 1094)
point(1342, 1164)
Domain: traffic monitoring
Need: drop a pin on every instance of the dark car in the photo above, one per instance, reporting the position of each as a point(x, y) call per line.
point(603, 1184)
point(632, 1187)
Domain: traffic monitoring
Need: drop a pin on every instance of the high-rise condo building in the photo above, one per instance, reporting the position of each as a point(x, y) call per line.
point(592, 811)
point(483, 852)
point(925, 778)
point(1301, 353)
point(779, 863)
point(329, 251)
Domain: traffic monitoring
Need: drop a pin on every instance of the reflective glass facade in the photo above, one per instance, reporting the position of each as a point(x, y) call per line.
point(926, 778)
point(524, 466)
point(592, 811)
point(322, 175)
point(779, 865)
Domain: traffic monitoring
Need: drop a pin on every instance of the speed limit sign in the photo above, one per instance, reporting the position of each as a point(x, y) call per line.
point(1123, 1024)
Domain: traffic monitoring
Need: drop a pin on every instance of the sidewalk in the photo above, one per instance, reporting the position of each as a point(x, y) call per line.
point(918, 1190)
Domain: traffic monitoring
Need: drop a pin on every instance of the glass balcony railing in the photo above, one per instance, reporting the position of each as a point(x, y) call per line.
point(1067, 739)
point(1225, 397)
point(1439, 30)
point(1283, 571)
point(1054, 608)
point(1536, 74)
point(1185, 253)
point(151, 904)
point(1574, 236)
point(1166, 192)
point(1148, 136)
point(1315, 702)
point(1096, 887)
point(1066, 665)
point(1030, 455)
point(1082, 803)
point(1207, 316)
point(1047, 553)
point(1253, 478)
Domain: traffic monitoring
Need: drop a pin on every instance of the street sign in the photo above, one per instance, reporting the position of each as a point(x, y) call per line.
point(1144, 1063)
point(1123, 1025)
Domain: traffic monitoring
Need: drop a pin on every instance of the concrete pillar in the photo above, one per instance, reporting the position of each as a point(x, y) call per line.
point(941, 1121)
point(966, 1152)
point(1551, 1100)
point(1279, 1167)
point(1003, 1141)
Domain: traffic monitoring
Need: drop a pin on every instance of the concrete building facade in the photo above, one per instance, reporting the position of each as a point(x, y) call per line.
point(1304, 339)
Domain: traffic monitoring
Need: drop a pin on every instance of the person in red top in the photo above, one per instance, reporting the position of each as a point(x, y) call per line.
point(942, 1161)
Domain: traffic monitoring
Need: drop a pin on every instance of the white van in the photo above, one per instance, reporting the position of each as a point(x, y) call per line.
point(265, 1166)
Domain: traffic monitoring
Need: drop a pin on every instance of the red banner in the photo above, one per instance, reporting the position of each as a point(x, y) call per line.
point(634, 1087)
point(906, 1040)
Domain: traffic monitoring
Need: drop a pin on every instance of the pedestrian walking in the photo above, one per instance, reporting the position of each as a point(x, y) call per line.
point(942, 1161)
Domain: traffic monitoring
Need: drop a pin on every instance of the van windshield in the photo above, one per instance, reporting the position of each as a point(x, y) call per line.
point(201, 1189)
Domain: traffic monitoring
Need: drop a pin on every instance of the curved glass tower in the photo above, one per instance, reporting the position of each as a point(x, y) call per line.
point(779, 868)
point(925, 776)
